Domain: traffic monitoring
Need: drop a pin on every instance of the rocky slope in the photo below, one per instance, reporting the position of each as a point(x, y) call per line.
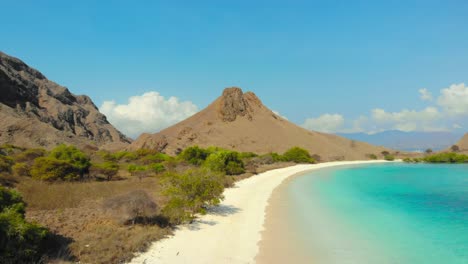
point(36, 112)
point(240, 121)
point(463, 143)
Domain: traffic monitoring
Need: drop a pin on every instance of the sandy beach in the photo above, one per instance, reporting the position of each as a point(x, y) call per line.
point(231, 232)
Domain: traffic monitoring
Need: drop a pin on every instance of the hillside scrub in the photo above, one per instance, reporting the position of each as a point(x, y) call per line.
point(191, 192)
point(108, 169)
point(134, 207)
point(298, 155)
point(194, 155)
point(225, 161)
point(20, 241)
point(446, 157)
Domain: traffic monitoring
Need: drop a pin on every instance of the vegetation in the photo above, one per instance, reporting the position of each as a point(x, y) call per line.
point(191, 192)
point(146, 189)
point(194, 155)
point(389, 157)
point(225, 161)
point(133, 207)
point(372, 156)
point(446, 157)
point(455, 148)
point(20, 241)
point(298, 155)
point(6, 163)
point(108, 169)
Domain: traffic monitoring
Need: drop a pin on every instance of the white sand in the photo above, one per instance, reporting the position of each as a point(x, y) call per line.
point(229, 233)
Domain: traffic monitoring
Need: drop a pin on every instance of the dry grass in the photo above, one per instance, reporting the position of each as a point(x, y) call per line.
point(74, 212)
point(45, 196)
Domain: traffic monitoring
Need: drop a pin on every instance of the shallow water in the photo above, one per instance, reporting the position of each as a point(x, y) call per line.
point(386, 213)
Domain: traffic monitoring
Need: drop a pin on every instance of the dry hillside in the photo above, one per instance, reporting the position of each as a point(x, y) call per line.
point(240, 121)
point(36, 112)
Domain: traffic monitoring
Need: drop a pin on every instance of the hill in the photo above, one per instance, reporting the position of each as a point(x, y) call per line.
point(240, 121)
point(36, 112)
point(463, 143)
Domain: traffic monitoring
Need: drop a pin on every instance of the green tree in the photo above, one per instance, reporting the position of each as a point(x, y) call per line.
point(20, 241)
point(74, 156)
point(225, 161)
point(192, 192)
point(108, 169)
point(51, 169)
point(194, 155)
point(298, 155)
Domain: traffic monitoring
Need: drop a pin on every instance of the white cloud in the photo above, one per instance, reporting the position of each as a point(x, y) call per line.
point(425, 95)
point(149, 112)
point(454, 100)
point(278, 114)
point(408, 120)
point(328, 123)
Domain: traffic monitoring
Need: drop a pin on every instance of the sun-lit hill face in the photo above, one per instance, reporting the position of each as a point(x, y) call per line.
point(463, 143)
point(36, 112)
point(241, 122)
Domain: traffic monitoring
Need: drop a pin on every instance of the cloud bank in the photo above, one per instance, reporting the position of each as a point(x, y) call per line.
point(149, 112)
point(447, 113)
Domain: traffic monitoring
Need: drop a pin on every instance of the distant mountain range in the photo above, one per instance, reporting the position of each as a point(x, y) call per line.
point(408, 141)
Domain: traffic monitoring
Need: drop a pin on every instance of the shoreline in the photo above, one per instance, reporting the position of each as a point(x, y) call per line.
point(234, 231)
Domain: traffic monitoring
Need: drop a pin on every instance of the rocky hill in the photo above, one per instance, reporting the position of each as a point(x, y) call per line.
point(240, 121)
point(463, 143)
point(36, 112)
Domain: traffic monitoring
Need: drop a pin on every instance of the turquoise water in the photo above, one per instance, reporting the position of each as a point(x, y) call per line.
point(386, 213)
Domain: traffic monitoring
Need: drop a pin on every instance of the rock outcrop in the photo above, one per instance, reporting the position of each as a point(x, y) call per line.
point(463, 143)
point(36, 112)
point(240, 121)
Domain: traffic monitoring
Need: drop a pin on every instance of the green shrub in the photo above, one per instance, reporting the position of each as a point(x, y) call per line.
point(389, 157)
point(21, 169)
point(20, 241)
point(191, 192)
point(79, 160)
point(157, 167)
point(30, 155)
point(125, 156)
point(372, 156)
point(407, 160)
point(225, 161)
point(447, 157)
point(108, 169)
point(194, 155)
point(247, 155)
point(298, 155)
point(6, 163)
point(277, 157)
point(155, 158)
point(51, 169)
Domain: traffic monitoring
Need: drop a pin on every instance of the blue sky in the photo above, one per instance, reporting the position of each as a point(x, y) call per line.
point(305, 59)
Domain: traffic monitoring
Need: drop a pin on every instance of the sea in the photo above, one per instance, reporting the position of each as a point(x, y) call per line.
point(381, 213)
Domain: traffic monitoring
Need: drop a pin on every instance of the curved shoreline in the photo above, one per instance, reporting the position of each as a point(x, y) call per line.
point(231, 232)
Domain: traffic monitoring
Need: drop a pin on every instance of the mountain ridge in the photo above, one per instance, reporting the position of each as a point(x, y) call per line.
point(37, 112)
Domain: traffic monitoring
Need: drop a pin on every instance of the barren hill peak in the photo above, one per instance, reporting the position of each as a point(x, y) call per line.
point(36, 112)
point(463, 143)
point(235, 103)
point(239, 121)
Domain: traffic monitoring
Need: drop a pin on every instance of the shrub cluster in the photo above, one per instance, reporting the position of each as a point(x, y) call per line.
point(20, 241)
point(446, 157)
point(191, 192)
point(63, 163)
